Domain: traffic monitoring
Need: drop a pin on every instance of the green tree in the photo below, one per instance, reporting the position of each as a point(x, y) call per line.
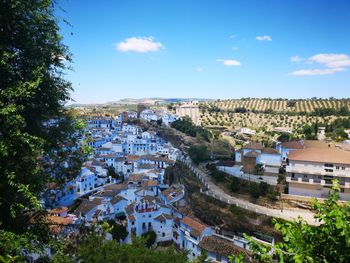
point(96, 250)
point(199, 153)
point(150, 238)
point(235, 184)
point(327, 242)
point(34, 125)
point(33, 91)
point(284, 137)
point(118, 232)
point(259, 169)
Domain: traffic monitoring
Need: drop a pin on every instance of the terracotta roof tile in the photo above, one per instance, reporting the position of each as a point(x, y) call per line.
point(223, 247)
point(321, 155)
point(293, 145)
point(195, 225)
point(253, 145)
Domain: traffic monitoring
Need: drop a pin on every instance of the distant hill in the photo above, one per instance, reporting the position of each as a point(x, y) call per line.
point(153, 101)
point(131, 101)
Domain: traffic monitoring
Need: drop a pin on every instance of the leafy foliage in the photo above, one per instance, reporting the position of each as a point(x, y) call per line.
point(118, 232)
point(186, 126)
point(218, 176)
point(150, 238)
point(199, 153)
point(235, 184)
point(327, 242)
point(95, 249)
point(35, 128)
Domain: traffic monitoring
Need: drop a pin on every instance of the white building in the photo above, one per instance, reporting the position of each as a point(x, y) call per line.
point(285, 147)
point(283, 130)
point(188, 232)
point(247, 131)
point(149, 115)
point(191, 110)
point(310, 172)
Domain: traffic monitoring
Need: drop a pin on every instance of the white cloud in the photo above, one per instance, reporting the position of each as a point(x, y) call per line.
point(199, 69)
point(332, 63)
point(139, 44)
point(229, 62)
point(296, 59)
point(332, 60)
point(314, 72)
point(264, 38)
point(233, 36)
point(234, 48)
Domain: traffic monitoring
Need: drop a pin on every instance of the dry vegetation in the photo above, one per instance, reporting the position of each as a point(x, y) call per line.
point(214, 212)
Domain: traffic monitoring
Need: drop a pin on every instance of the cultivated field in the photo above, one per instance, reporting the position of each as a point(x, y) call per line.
point(267, 114)
point(279, 105)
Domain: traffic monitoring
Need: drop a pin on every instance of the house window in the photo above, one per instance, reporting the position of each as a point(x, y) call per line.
point(133, 223)
point(305, 176)
point(328, 165)
point(343, 168)
point(337, 167)
point(163, 234)
point(193, 254)
point(293, 175)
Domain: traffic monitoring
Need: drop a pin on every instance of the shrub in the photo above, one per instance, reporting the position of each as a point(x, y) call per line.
point(150, 237)
point(254, 190)
point(282, 170)
point(235, 184)
point(199, 153)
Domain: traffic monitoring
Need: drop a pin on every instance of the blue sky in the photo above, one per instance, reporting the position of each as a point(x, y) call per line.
point(207, 48)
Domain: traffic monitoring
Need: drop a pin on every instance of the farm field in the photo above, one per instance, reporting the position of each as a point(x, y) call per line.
point(278, 105)
point(267, 114)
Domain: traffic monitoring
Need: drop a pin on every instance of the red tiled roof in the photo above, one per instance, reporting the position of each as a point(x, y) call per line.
point(196, 225)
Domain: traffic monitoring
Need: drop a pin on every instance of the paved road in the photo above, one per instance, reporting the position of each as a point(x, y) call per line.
point(218, 193)
point(235, 171)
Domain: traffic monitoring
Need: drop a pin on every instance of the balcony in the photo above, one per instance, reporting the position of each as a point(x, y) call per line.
point(147, 210)
point(305, 180)
point(326, 182)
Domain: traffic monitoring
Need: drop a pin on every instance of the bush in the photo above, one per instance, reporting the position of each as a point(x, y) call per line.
point(218, 176)
point(150, 237)
point(118, 232)
point(259, 169)
point(254, 190)
point(264, 188)
point(186, 126)
point(235, 184)
point(258, 189)
point(281, 179)
point(199, 153)
point(282, 170)
point(272, 195)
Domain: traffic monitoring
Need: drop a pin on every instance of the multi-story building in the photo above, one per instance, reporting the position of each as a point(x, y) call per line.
point(190, 110)
point(310, 171)
point(187, 234)
point(101, 122)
